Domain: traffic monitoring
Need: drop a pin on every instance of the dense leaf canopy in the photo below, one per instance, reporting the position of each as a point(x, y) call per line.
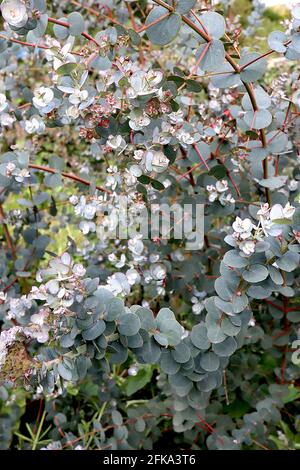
point(121, 339)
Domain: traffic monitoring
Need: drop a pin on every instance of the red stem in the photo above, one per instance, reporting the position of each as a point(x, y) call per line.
point(68, 175)
point(266, 54)
point(67, 25)
point(201, 157)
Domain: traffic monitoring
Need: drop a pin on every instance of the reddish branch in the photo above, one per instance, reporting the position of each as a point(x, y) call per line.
point(67, 25)
point(237, 69)
point(200, 156)
point(236, 188)
point(279, 307)
point(12, 283)
point(23, 43)
point(204, 34)
point(266, 54)
point(131, 15)
point(31, 44)
point(189, 173)
point(282, 308)
point(67, 175)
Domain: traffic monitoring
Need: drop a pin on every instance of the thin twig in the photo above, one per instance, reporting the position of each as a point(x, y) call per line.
point(67, 175)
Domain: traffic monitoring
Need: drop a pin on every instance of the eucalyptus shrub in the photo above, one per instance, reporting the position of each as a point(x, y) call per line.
point(122, 341)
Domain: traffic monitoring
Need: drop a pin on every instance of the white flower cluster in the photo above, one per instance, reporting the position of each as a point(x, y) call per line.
point(54, 445)
point(120, 283)
point(43, 99)
point(198, 305)
point(116, 142)
point(243, 235)
point(138, 119)
point(133, 370)
point(18, 307)
point(19, 174)
point(61, 56)
point(217, 193)
point(6, 119)
point(149, 161)
point(58, 293)
point(7, 338)
point(136, 247)
point(14, 12)
point(156, 273)
point(88, 209)
point(246, 234)
point(78, 98)
point(39, 327)
point(198, 301)
point(270, 217)
point(156, 161)
point(104, 216)
point(61, 289)
point(77, 95)
point(143, 83)
point(34, 125)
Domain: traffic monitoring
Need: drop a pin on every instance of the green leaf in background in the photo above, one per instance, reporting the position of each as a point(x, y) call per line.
point(138, 381)
point(66, 69)
point(293, 394)
point(193, 85)
point(144, 179)
point(218, 171)
point(157, 185)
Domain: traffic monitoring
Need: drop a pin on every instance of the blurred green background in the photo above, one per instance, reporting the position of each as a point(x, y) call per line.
point(271, 20)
